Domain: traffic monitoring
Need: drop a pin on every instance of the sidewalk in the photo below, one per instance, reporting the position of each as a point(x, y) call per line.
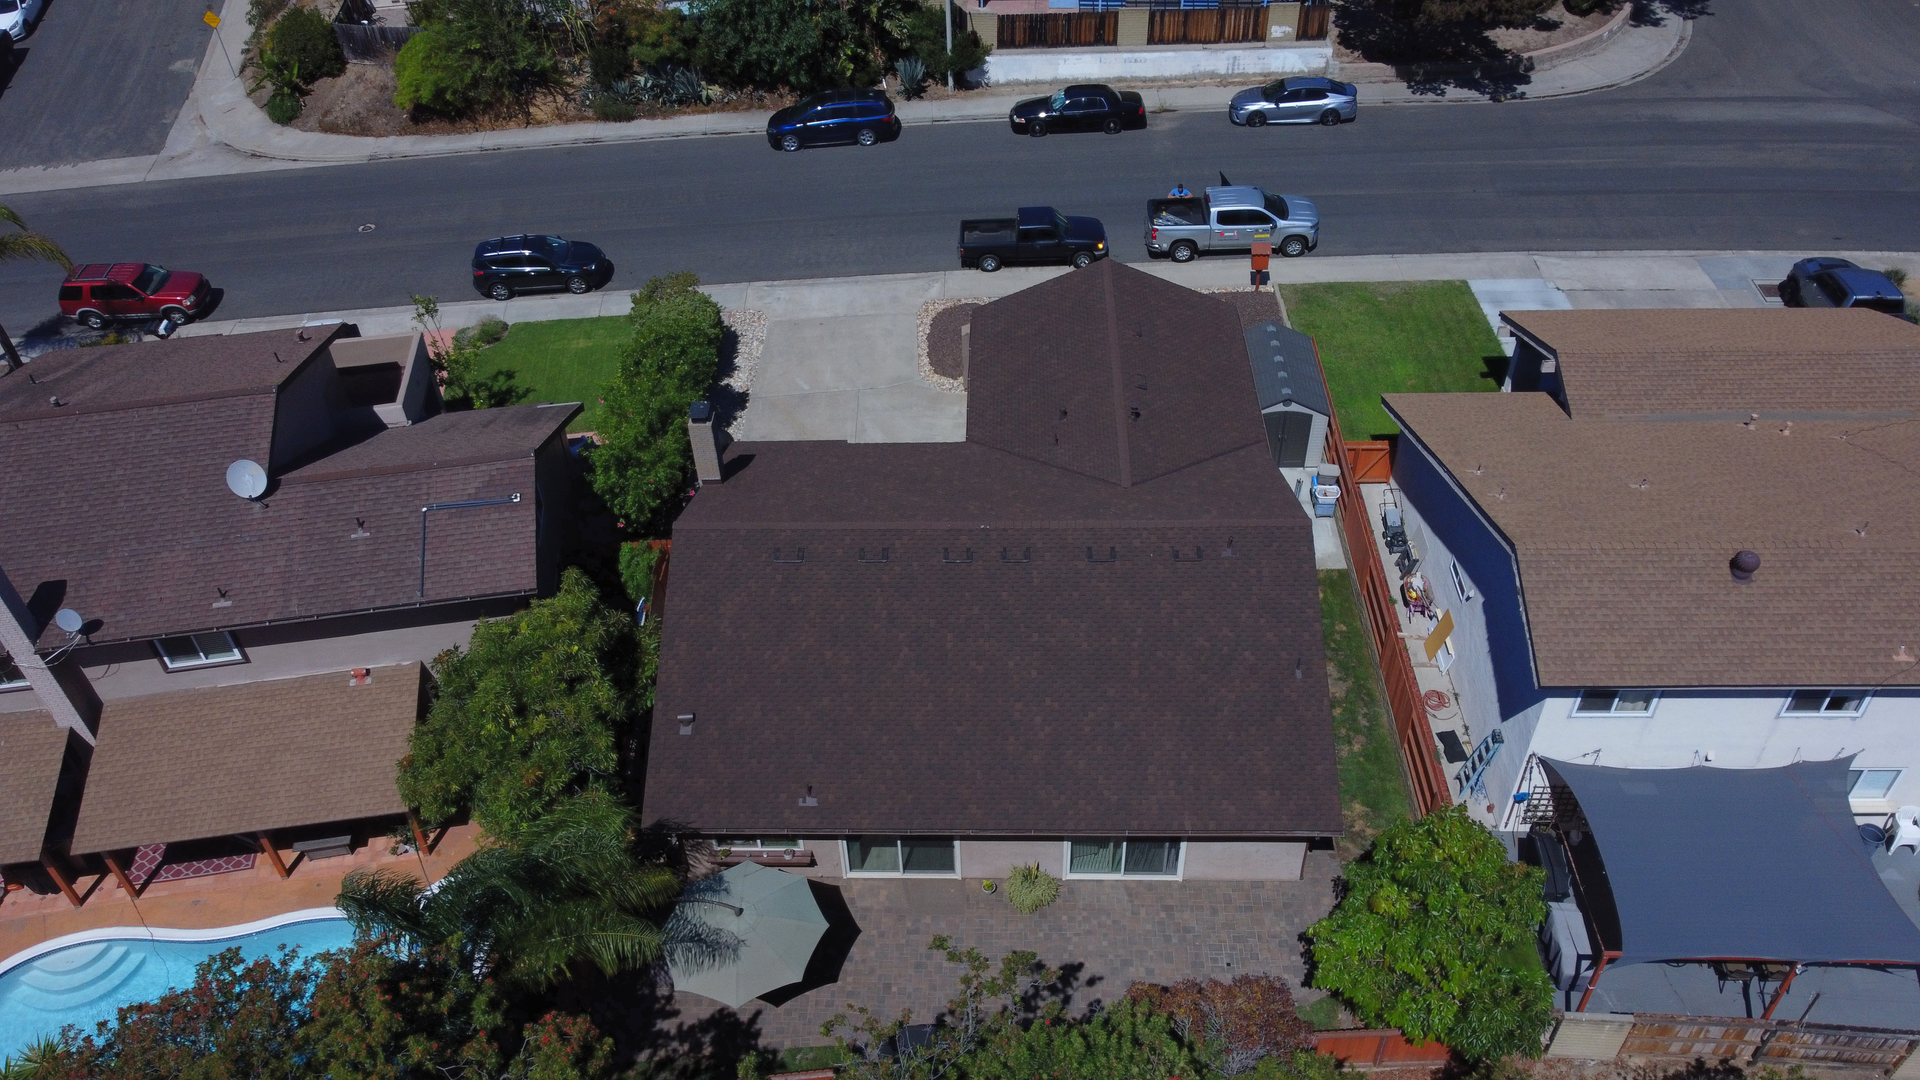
point(221, 132)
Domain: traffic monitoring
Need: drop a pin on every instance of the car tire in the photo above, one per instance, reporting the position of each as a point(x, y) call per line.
point(867, 137)
point(989, 263)
point(1083, 260)
point(176, 315)
point(1037, 129)
point(1113, 125)
point(790, 143)
point(1293, 247)
point(579, 286)
point(1183, 251)
point(1330, 118)
point(1256, 119)
point(92, 320)
point(500, 290)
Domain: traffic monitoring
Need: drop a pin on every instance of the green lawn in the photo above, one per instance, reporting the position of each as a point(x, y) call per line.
point(1373, 792)
point(1390, 337)
point(562, 360)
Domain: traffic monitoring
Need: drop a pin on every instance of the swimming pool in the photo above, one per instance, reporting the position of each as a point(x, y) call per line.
point(84, 978)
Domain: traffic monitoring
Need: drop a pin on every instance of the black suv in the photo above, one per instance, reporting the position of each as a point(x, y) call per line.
point(506, 265)
point(836, 116)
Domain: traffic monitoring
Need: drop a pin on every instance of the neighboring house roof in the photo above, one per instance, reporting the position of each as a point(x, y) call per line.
point(1623, 531)
point(1676, 362)
point(31, 749)
point(1117, 633)
point(246, 758)
point(1695, 860)
point(117, 499)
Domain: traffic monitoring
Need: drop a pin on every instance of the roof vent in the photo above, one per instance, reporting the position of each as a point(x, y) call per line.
point(808, 799)
point(686, 723)
point(1743, 565)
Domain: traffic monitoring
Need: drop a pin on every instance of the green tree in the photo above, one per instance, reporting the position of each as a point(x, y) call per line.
point(529, 713)
point(577, 885)
point(1420, 937)
point(805, 45)
point(25, 245)
point(305, 37)
point(926, 39)
point(473, 55)
point(670, 361)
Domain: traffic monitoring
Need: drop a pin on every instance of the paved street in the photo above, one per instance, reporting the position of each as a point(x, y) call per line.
point(1778, 129)
point(99, 79)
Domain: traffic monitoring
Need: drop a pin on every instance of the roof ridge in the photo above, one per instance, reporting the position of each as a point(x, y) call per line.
point(1119, 380)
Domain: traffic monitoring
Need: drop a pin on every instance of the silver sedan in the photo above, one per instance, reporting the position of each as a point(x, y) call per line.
point(1305, 99)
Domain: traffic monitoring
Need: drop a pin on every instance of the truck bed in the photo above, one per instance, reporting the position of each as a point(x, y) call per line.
point(987, 231)
point(1173, 213)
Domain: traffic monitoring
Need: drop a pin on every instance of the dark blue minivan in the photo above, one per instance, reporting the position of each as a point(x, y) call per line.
point(834, 116)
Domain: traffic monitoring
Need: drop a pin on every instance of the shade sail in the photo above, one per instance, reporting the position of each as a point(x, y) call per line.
point(744, 932)
point(1759, 864)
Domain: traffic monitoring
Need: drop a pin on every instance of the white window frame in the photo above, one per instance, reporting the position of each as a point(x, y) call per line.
point(759, 843)
point(1866, 698)
point(1885, 796)
point(1652, 705)
point(1461, 585)
point(1179, 861)
point(846, 862)
point(9, 684)
point(233, 655)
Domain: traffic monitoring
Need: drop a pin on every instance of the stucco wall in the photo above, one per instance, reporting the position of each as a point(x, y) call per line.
point(997, 858)
point(1113, 65)
point(1210, 860)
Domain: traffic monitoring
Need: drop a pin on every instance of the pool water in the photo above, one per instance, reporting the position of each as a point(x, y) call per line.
point(86, 983)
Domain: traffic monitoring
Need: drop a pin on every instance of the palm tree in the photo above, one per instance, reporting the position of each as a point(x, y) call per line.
point(24, 245)
point(572, 886)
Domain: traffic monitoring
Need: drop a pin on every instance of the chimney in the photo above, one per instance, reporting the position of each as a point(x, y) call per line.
point(706, 447)
point(18, 629)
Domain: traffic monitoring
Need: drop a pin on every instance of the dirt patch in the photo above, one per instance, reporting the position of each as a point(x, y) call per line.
point(1555, 26)
point(940, 322)
point(1254, 305)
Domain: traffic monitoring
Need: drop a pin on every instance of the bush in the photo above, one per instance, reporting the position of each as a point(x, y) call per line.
point(612, 110)
point(430, 75)
point(476, 54)
point(1236, 1024)
point(926, 40)
point(1421, 937)
point(1030, 888)
point(304, 38)
point(262, 12)
point(798, 43)
point(487, 331)
point(637, 561)
point(284, 107)
point(913, 77)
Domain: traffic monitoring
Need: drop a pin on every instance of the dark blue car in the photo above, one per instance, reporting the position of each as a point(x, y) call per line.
point(864, 117)
point(1830, 282)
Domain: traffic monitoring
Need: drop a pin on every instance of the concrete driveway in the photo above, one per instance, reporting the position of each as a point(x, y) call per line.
point(99, 79)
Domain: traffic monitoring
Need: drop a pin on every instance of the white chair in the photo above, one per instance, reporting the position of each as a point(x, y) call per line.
point(1904, 830)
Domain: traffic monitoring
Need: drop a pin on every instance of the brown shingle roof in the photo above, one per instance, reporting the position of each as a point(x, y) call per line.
point(31, 749)
point(946, 658)
point(129, 511)
point(254, 756)
point(1729, 361)
point(1623, 531)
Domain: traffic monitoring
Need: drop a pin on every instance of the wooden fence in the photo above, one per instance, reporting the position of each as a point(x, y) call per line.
point(1205, 26)
point(366, 44)
point(1383, 1048)
point(1767, 1041)
point(1057, 31)
point(1314, 21)
point(1379, 604)
point(1372, 461)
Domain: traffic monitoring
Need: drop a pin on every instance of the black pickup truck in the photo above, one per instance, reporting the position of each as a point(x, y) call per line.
point(1038, 235)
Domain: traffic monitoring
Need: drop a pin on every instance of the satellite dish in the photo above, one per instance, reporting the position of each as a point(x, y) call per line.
point(247, 479)
point(69, 620)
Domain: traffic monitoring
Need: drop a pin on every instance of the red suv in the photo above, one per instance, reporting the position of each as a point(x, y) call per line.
point(97, 292)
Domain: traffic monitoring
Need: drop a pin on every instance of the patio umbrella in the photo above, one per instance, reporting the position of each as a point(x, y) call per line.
point(743, 933)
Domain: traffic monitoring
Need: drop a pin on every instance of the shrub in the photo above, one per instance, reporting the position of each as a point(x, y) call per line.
point(1422, 936)
point(262, 12)
point(637, 561)
point(430, 75)
point(1030, 888)
point(284, 107)
point(926, 39)
point(304, 38)
point(1236, 1024)
point(1897, 276)
point(487, 331)
point(799, 44)
point(472, 55)
point(913, 77)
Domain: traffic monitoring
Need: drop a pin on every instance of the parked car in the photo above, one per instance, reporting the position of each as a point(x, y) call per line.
point(1307, 99)
point(836, 116)
point(1035, 235)
point(1231, 218)
point(1089, 107)
point(96, 293)
point(506, 266)
point(1830, 282)
point(19, 16)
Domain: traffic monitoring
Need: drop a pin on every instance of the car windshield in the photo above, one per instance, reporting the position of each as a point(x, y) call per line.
point(1058, 100)
point(151, 278)
point(553, 246)
point(1060, 222)
point(1835, 291)
point(1884, 303)
point(1278, 205)
point(8, 7)
point(1273, 90)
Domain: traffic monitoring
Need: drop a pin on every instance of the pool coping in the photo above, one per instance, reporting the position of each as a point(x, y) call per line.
point(145, 933)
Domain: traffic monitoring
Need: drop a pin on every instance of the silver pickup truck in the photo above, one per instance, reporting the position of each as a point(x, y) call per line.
point(1231, 219)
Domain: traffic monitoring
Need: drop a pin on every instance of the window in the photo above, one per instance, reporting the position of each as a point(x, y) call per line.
point(1244, 218)
point(900, 855)
point(1871, 783)
point(150, 280)
point(1461, 585)
point(1277, 206)
point(1616, 702)
point(1124, 858)
point(758, 843)
point(10, 677)
point(198, 650)
point(70, 294)
point(1826, 703)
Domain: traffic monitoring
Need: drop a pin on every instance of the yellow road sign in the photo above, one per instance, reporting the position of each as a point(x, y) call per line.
point(211, 20)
